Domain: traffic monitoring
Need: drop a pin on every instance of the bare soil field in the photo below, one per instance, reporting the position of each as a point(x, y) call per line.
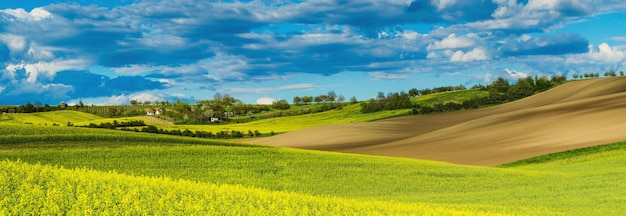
point(574, 115)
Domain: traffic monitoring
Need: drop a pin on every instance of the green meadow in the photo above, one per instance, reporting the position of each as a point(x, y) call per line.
point(278, 125)
point(109, 171)
point(452, 96)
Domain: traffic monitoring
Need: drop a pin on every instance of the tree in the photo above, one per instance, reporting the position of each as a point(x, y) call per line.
point(307, 100)
point(341, 98)
point(353, 100)
point(500, 85)
point(380, 96)
point(218, 97)
point(318, 99)
point(297, 100)
point(520, 90)
point(332, 96)
point(281, 104)
point(413, 92)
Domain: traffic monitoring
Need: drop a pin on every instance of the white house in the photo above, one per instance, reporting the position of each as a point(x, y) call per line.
point(151, 112)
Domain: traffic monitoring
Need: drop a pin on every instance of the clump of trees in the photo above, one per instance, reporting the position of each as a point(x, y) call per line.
point(392, 101)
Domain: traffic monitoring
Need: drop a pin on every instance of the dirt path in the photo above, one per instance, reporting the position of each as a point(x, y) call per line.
point(574, 115)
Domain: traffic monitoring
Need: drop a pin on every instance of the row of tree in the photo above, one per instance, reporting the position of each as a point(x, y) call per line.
point(199, 134)
point(115, 124)
point(331, 97)
point(414, 92)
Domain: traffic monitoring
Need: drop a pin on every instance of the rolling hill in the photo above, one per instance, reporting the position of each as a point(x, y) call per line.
point(51, 170)
point(574, 115)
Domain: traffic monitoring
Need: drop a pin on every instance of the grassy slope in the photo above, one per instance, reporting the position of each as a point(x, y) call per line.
point(348, 114)
point(34, 189)
point(453, 96)
point(588, 184)
point(48, 118)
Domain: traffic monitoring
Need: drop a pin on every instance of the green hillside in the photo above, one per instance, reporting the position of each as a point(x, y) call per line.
point(584, 184)
point(280, 124)
point(47, 118)
point(452, 96)
point(347, 114)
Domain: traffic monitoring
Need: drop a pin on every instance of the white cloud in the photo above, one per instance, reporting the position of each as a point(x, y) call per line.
point(118, 100)
point(409, 35)
point(442, 4)
point(604, 53)
point(476, 54)
point(15, 43)
point(265, 100)
point(37, 14)
point(506, 8)
point(141, 97)
point(47, 69)
point(513, 74)
point(452, 42)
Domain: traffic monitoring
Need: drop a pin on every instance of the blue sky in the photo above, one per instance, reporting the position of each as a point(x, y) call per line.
point(109, 52)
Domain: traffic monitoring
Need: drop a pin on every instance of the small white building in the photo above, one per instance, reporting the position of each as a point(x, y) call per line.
point(151, 112)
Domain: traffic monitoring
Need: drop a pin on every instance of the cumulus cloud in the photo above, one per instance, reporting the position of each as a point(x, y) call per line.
point(605, 53)
point(475, 54)
point(513, 74)
point(15, 43)
point(46, 69)
point(265, 100)
point(452, 42)
point(37, 14)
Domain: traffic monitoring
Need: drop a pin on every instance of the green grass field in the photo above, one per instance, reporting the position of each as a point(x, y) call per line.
point(348, 114)
point(452, 96)
point(117, 171)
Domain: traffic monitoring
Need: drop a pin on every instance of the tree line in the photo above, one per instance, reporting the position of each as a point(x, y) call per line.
point(500, 91)
point(199, 134)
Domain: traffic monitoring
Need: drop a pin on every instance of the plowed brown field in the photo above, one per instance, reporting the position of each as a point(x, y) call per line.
point(574, 115)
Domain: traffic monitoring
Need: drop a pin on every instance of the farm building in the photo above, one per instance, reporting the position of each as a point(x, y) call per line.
point(155, 111)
